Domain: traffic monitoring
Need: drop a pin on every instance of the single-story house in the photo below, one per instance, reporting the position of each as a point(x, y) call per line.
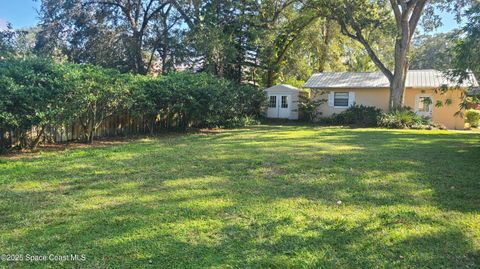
point(342, 90)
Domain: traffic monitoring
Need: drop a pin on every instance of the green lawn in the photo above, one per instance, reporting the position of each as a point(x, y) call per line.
point(267, 196)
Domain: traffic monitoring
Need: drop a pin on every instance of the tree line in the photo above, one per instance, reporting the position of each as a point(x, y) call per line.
point(249, 41)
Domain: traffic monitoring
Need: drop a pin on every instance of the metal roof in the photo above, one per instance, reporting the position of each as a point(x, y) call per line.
point(415, 79)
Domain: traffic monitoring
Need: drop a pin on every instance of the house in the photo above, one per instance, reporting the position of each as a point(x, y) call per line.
point(283, 101)
point(342, 90)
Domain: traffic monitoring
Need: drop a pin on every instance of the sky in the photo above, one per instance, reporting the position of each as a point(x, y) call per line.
point(20, 13)
point(23, 13)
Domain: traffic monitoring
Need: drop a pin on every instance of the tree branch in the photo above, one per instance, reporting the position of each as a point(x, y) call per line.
point(397, 12)
point(417, 13)
point(360, 38)
point(184, 15)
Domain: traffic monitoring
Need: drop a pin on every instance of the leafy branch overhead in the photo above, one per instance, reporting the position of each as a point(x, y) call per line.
point(249, 41)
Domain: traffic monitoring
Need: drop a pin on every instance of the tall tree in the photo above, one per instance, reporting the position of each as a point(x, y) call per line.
point(358, 18)
point(112, 32)
point(433, 51)
point(285, 36)
point(466, 52)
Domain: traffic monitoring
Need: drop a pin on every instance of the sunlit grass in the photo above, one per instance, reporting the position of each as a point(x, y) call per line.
point(267, 196)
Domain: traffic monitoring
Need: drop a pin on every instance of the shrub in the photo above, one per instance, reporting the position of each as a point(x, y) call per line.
point(241, 121)
point(30, 96)
point(401, 119)
point(359, 116)
point(94, 95)
point(42, 96)
point(185, 100)
point(308, 108)
point(472, 117)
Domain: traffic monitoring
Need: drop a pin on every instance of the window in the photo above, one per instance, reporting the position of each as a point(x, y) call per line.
point(424, 104)
point(273, 102)
point(340, 99)
point(284, 101)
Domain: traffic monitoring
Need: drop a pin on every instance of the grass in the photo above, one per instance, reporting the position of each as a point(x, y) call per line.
point(267, 196)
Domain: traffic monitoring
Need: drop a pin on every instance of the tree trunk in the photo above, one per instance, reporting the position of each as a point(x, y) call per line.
point(270, 77)
point(407, 16)
point(139, 63)
point(3, 141)
point(397, 82)
point(35, 142)
point(397, 89)
point(164, 54)
point(325, 46)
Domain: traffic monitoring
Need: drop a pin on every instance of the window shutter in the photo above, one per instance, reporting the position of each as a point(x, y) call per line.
point(330, 98)
point(351, 98)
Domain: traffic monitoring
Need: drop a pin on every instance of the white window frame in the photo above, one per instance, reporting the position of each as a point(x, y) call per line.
point(286, 103)
point(331, 99)
point(270, 103)
point(417, 104)
point(348, 100)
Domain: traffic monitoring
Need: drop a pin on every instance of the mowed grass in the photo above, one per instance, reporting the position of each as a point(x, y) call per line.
point(266, 196)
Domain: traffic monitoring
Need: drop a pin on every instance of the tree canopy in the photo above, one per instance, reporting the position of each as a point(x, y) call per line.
point(258, 42)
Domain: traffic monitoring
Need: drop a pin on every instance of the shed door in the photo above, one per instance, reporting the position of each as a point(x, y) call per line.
point(272, 111)
point(279, 106)
point(284, 106)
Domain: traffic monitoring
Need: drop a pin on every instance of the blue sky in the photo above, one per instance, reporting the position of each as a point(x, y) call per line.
point(20, 13)
point(23, 13)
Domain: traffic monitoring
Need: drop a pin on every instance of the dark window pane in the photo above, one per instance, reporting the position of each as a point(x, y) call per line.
point(341, 95)
point(284, 101)
point(273, 102)
point(341, 99)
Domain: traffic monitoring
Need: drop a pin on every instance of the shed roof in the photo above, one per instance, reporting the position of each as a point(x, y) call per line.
point(415, 79)
point(283, 87)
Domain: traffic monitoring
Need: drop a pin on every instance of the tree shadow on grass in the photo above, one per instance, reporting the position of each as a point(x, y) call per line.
point(255, 198)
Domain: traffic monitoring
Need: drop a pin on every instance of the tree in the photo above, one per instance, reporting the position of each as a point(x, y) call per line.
point(288, 31)
point(433, 51)
point(466, 52)
point(358, 18)
point(221, 35)
point(322, 48)
point(123, 34)
point(7, 39)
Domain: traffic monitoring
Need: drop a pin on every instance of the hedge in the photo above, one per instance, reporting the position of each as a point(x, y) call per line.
point(37, 95)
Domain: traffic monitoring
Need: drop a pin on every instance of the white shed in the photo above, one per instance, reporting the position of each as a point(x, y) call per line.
point(283, 101)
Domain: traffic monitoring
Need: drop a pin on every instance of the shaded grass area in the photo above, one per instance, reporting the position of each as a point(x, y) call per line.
point(267, 196)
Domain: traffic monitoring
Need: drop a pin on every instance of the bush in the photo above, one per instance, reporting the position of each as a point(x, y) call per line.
point(401, 119)
point(365, 116)
point(308, 108)
point(241, 121)
point(94, 95)
point(40, 95)
point(188, 100)
point(30, 96)
point(472, 117)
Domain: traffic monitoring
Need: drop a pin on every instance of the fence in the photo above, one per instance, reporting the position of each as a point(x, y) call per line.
point(116, 125)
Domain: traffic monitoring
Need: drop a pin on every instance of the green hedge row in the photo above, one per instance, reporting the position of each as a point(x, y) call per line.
point(39, 94)
point(369, 116)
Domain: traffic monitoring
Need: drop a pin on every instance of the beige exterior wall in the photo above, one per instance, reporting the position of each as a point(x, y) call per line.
point(369, 97)
point(380, 98)
point(444, 115)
